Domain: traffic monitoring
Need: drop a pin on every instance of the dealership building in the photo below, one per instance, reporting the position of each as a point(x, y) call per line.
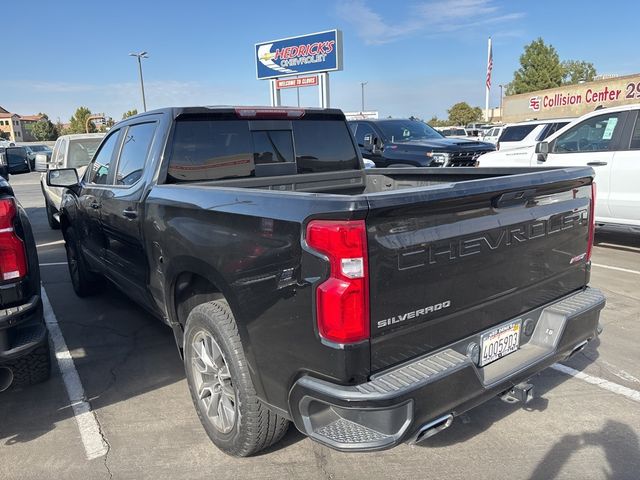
point(572, 100)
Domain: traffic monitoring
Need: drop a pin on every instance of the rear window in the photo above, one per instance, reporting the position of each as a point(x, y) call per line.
point(81, 151)
point(516, 133)
point(210, 149)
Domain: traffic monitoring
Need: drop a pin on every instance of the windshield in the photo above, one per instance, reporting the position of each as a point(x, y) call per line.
point(38, 148)
point(403, 130)
point(81, 152)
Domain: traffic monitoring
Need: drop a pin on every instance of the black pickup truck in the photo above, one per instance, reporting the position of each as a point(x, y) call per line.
point(412, 143)
point(24, 347)
point(369, 307)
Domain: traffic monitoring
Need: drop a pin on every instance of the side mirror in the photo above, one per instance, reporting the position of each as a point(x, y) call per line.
point(368, 141)
point(368, 163)
point(64, 177)
point(42, 159)
point(542, 149)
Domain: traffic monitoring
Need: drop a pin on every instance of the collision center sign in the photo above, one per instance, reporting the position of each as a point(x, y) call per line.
point(316, 52)
point(572, 100)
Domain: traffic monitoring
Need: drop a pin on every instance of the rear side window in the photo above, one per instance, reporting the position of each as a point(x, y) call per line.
point(635, 136)
point(516, 133)
point(133, 155)
point(323, 146)
point(209, 149)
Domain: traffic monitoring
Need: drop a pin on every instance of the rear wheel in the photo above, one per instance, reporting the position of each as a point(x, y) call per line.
point(221, 387)
point(84, 281)
point(32, 368)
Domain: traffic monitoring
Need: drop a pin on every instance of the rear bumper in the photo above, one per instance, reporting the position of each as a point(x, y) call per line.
point(395, 405)
point(22, 329)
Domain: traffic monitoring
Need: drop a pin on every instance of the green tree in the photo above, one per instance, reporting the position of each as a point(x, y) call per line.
point(44, 130)
point(462, 113)
point(436, 122)
point(576, 71)
point(130, 113)
point(540, 68)
point(78, 122)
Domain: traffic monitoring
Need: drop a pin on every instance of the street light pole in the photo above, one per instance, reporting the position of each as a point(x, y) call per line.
point(140, 56)
point(501, 100)
point(362, 84)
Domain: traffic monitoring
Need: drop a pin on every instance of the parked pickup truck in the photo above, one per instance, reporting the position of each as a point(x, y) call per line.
point(73, 150)
point(412, 143)
point(369, 307)
point(24, 341)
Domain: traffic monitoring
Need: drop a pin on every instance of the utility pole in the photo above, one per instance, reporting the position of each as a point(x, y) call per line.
point(362, 84)
point(140, 56)
point(501, 86)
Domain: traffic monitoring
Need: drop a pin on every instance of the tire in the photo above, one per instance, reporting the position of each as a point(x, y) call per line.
point(53, 223)
point(84, 281)
point(251, 426)
point(32, 368)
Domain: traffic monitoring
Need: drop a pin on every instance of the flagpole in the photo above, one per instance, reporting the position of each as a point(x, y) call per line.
point(486, 98)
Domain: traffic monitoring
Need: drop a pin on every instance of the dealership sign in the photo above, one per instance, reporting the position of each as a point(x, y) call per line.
point(316, 52)
point(572, 100)
point(297, 82)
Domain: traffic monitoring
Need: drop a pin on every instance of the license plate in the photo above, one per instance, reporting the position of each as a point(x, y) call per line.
point(499, 342)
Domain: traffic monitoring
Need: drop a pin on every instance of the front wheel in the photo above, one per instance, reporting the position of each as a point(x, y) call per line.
point(221, 386)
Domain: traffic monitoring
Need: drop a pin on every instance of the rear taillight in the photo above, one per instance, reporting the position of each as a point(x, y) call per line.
point(342, 301)
point(592, 220)
point(13, 261)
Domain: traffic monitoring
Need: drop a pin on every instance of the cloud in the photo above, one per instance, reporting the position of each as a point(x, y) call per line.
point(434, 17)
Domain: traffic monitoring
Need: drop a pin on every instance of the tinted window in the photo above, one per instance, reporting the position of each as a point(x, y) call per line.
point(323, 146)
point(363, 130)
point(99, 171)
point(635, 136)
point(516, 133)
point(81, 151)
point(207, 149)
point(133, 155)
point(592, 135)
point(272, 146)
point(402, 130)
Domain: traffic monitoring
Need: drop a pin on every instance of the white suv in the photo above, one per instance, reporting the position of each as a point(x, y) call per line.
point(607, 140)
point(523, 134)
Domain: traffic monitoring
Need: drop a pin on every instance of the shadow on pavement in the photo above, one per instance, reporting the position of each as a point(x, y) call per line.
point(618, 441)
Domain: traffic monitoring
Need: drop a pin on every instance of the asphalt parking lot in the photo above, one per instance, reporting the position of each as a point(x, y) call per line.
point(584, 423)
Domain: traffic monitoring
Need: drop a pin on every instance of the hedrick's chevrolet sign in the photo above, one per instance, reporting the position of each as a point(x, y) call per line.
point(572, 100)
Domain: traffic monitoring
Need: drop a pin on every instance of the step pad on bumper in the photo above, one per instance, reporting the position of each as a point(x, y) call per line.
point(346, 431)
point(415, 372)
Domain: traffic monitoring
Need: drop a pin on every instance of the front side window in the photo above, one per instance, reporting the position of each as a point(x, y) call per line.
point(592, 135)
point(99, 169)
point(135, 148)
point(362, 131)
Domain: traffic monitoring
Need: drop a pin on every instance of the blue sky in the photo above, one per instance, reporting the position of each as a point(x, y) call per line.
point(419, 57)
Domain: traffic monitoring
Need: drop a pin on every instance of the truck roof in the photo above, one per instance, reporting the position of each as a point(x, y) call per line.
point(177, 111)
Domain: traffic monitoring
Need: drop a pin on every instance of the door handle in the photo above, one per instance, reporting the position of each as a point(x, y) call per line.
point(130, 214)
point(596, 164)
point(95, 205)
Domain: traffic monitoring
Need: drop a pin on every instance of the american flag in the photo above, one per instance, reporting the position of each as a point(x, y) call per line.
point(489, 66)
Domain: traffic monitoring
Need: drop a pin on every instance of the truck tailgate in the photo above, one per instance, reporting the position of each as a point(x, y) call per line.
point(449, 261)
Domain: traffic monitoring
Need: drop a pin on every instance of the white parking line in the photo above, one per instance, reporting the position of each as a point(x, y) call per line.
point(599, 382)
point(57, 242)
point(619, 269)
point(625, 247)
point(94, 443)
point(52, 264)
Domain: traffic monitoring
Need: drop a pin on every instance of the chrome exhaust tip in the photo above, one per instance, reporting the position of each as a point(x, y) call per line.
point(578, 348)
point(6, 378)
point(431, 428)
